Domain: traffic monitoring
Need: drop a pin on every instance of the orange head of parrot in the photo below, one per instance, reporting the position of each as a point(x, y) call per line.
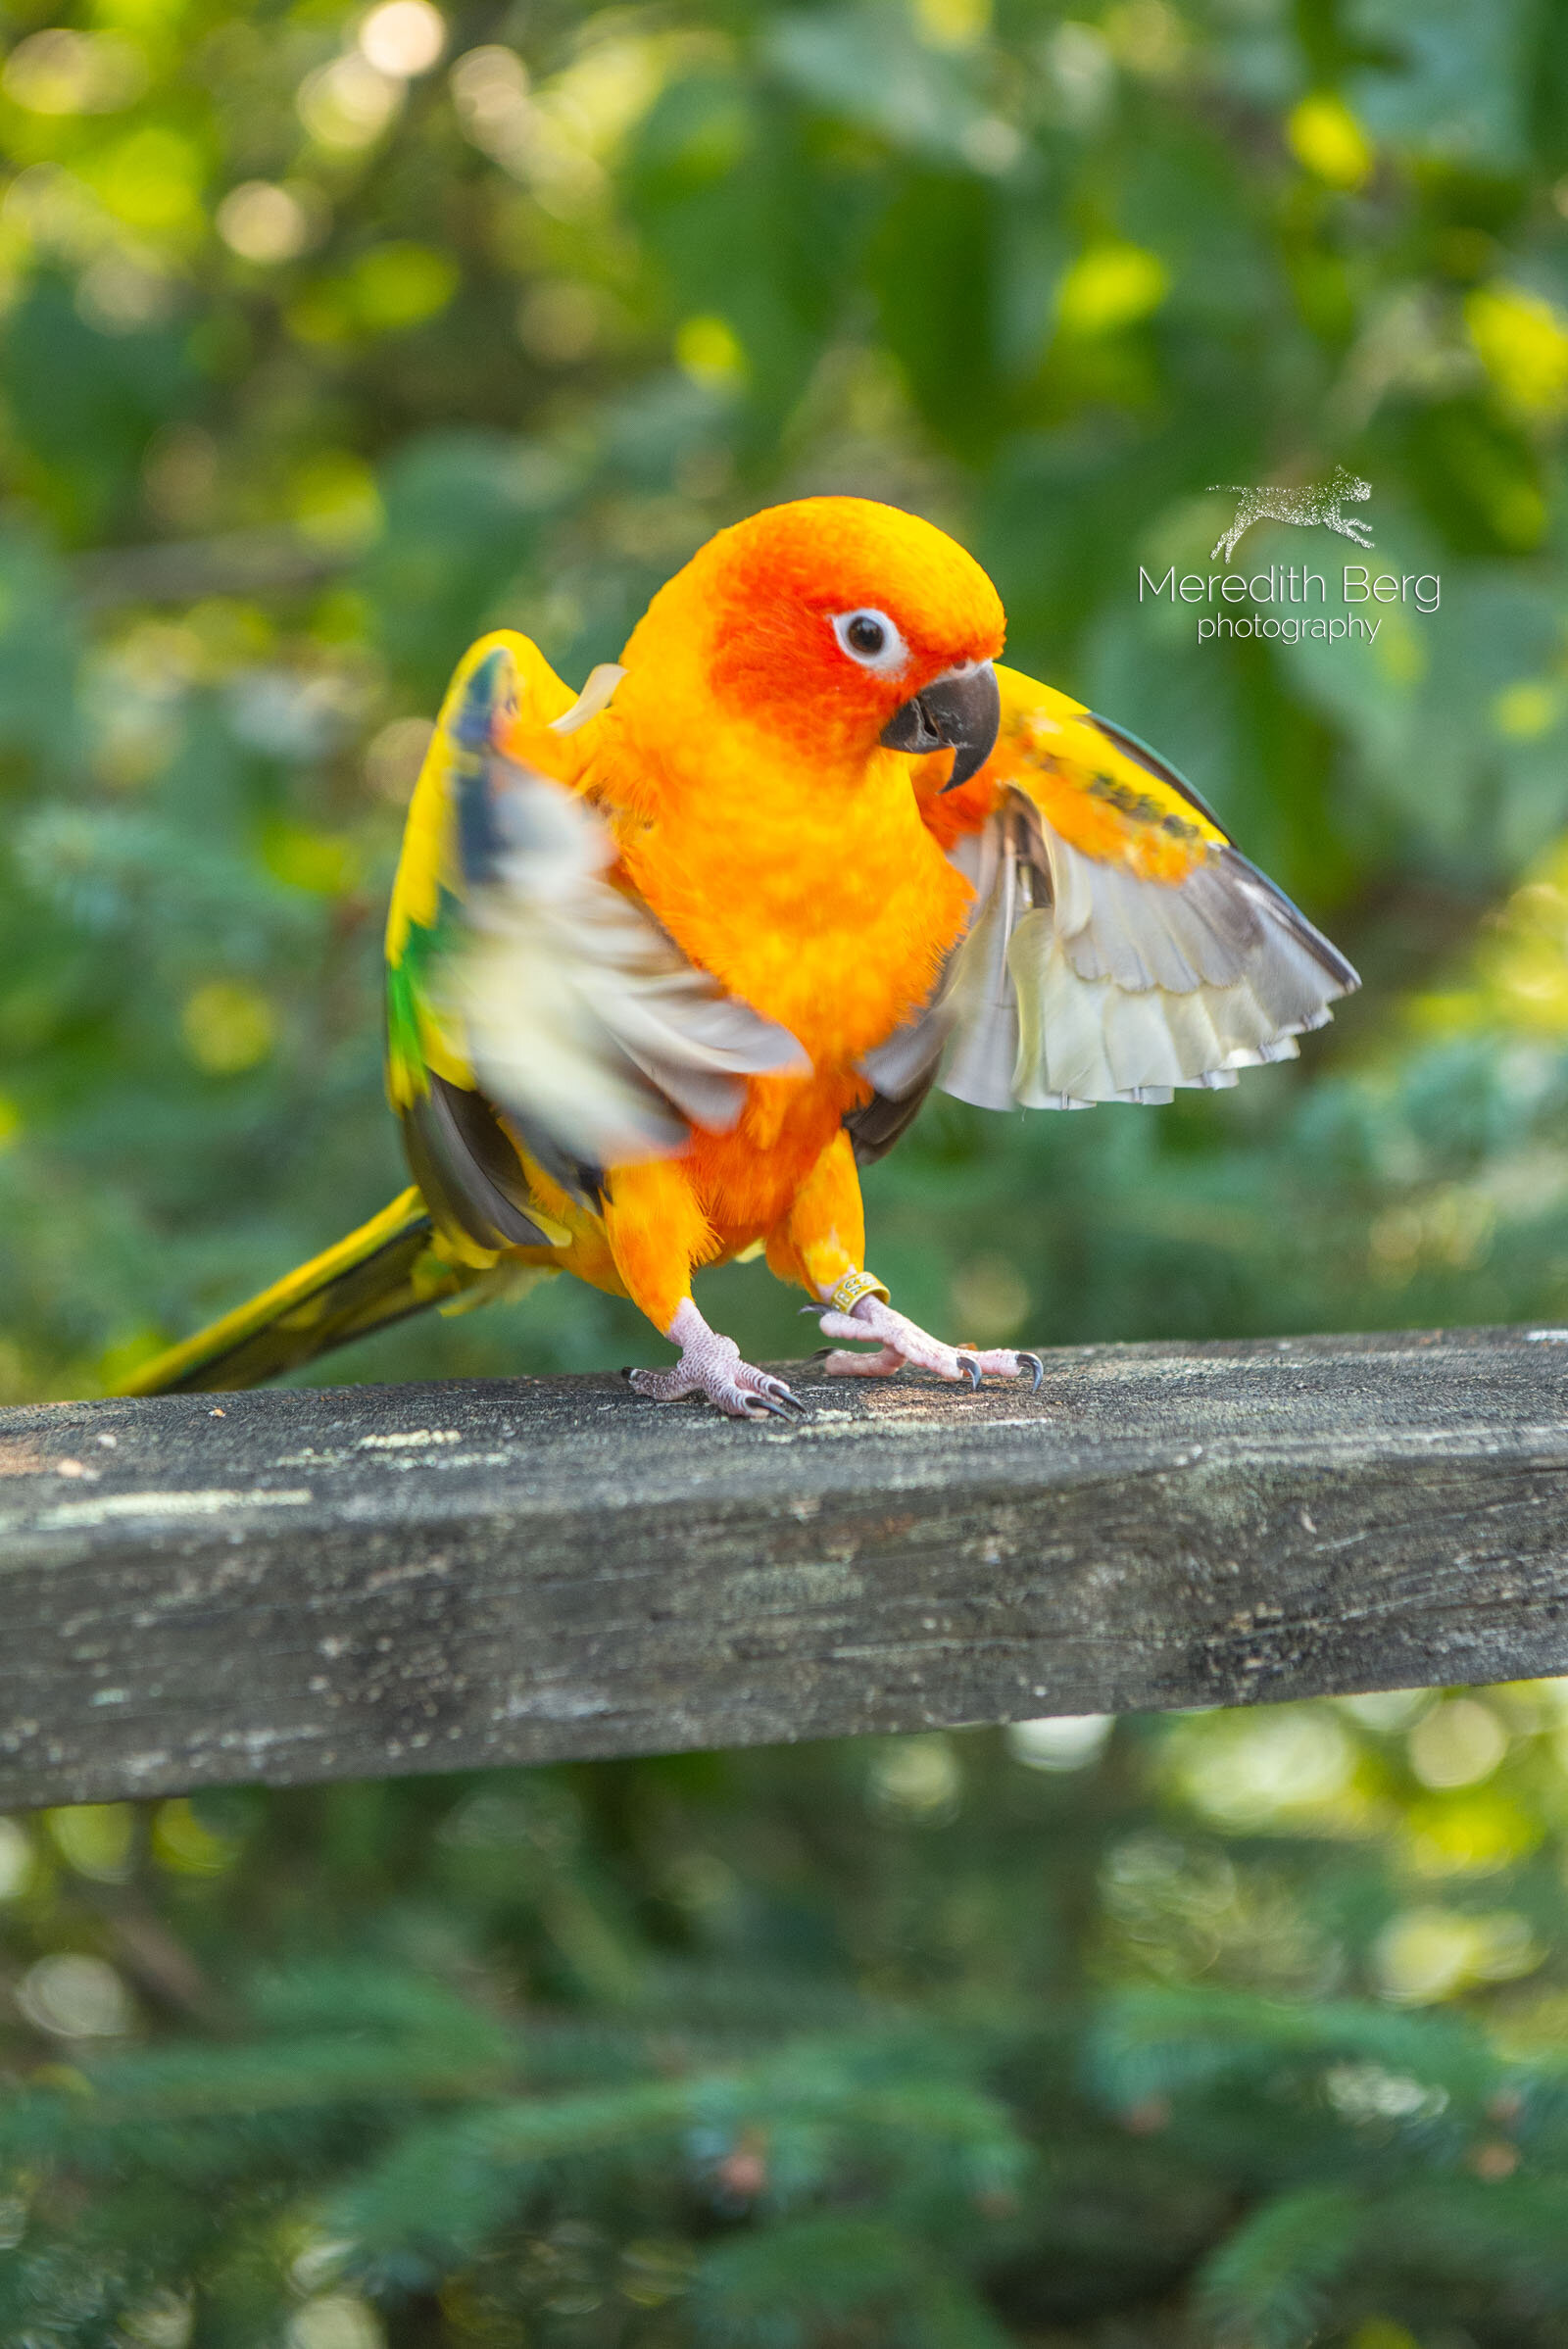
point(836, 625)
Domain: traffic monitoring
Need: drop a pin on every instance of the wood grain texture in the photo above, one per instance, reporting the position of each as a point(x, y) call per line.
point(288, 1586)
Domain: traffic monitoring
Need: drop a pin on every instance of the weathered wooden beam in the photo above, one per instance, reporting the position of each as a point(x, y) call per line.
point(287, 1587)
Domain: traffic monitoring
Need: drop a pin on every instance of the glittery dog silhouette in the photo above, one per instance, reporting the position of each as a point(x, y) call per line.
point(1319, 502)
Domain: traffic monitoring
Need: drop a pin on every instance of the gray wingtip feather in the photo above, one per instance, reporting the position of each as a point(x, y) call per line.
point(1109, 987)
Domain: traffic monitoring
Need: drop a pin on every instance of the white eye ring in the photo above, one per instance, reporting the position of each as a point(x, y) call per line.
point(871, 641)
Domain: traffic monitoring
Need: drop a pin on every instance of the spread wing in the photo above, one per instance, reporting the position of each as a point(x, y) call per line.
point(1121, 946)
point(531, 1002)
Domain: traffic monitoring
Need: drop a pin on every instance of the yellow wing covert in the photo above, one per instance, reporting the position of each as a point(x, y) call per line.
point(1120, 945)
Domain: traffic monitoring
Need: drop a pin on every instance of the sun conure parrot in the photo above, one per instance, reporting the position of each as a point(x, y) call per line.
point(667, 960)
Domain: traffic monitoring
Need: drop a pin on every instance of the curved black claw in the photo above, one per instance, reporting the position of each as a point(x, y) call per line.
point(627, 1372)
point(778, 1398)
point(1040, 1371)
point(970, 1368)
point(818, 1309)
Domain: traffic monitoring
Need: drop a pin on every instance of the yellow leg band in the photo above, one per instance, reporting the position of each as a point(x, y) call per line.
point(846, 1294)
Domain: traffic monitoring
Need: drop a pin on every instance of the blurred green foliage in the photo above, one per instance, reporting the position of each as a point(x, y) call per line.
point(1226, 2028)
point(329, 338)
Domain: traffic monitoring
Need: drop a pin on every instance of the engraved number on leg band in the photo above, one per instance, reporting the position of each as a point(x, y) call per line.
point(846, 1294)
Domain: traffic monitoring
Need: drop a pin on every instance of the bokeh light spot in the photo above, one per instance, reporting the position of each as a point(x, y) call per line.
point(335, 2321)
point(16, 1859)
point(917, 1778)
point(95, 1839)
point(951, 24)
point(1457, 1743)
point(1325, 136)
point(403, 37)
point(62, 72)
point(348, 103)
point(396, 286)
point(1526, 711)
point(1522, 341)
point(1428, 1954)
point(75, 1996)
point(185, 1845)
point(1110, 286)
point(1065, 1742)
point(228, 1027)
point(1296, 1763)
point(264, 223)
point(707, 350)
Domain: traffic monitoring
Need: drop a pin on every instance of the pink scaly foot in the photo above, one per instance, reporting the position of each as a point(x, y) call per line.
point(904, 1341)
point(711, 1365)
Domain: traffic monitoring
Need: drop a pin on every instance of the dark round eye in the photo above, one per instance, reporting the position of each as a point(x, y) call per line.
point(869, 637)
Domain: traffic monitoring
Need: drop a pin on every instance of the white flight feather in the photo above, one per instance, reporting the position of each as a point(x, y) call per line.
point(576, 1012)
point(1110, 987)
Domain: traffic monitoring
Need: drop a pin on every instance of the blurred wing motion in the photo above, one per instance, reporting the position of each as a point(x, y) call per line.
point(1119, 948)
point(534, 1007)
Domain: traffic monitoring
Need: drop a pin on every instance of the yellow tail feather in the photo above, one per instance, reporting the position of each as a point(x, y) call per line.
point(391, 1266)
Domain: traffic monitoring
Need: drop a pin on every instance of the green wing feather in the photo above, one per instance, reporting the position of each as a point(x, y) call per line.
point(536, 1009)
point(465, 1163)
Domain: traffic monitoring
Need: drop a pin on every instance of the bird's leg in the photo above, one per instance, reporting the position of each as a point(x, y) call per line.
point(710, 1366)
point(902, 1340)
point(657, 1232)
point(822, 1245)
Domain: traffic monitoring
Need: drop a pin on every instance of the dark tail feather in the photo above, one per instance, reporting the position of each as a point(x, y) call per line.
point(387, 1270)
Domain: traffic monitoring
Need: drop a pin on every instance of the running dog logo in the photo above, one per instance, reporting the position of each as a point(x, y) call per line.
point(1319, 502)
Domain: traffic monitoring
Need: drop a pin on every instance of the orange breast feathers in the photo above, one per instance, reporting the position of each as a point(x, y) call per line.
point(740, 768)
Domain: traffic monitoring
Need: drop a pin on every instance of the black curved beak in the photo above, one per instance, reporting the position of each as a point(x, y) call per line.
point(958, 712)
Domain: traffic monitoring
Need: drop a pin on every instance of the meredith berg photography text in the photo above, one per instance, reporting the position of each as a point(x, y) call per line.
point(1284, 583)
